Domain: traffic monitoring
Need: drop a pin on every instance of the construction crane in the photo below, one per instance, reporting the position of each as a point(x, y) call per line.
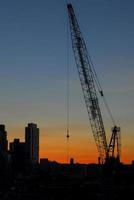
point(90, 84)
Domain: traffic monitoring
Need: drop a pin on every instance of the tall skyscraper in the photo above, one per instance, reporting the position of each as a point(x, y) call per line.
point(32, 143)
point(3, 140)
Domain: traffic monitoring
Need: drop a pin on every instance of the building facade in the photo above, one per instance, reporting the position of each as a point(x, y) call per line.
point(32, 143)
point(17, 151)
point(3, 140)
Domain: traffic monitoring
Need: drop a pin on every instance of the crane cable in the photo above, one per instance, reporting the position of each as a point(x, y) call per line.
point(67, 93)
point(101, 92)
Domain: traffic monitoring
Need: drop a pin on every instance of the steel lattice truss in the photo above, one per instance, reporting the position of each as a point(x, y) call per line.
point(84, 67)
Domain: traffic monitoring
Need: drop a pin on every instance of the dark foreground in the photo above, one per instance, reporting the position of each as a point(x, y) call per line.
point(66, 182)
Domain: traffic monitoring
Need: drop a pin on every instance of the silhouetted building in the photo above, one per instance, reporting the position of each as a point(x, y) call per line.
point(3, 140)
point(3, 155)
point(71, 161)
point(3, 146)
point(44, 164)
point(32, 143)
point(18, 155)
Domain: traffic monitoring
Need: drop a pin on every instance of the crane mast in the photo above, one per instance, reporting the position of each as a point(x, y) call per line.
point(86, 76)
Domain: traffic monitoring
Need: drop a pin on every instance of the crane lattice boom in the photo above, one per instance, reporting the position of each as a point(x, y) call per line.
point(85, 71)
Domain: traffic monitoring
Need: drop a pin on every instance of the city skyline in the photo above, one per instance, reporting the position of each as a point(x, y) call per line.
point(33, 73)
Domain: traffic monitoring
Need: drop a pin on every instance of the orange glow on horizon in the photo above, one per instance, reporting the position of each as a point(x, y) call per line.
point(82, 148)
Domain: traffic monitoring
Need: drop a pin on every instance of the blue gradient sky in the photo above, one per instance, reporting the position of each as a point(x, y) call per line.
point(33, 48)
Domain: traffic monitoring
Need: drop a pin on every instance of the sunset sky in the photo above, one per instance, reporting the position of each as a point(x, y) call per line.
point(33, 64)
